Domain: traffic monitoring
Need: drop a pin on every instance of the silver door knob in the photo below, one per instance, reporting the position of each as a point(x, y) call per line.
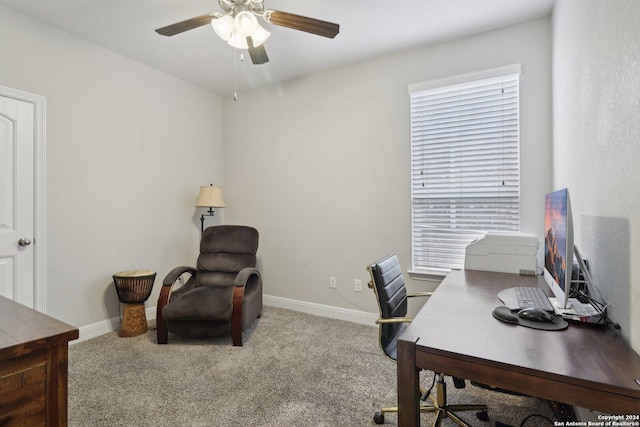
point(24, 242)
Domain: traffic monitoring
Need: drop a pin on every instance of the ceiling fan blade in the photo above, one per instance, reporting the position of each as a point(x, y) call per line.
point(302, 23)
point(258, 53)
point(186, 25)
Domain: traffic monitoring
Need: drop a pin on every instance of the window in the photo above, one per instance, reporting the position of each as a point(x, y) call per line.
point(465, 164)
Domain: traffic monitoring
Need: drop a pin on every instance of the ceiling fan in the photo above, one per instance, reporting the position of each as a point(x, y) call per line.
point(239, 27)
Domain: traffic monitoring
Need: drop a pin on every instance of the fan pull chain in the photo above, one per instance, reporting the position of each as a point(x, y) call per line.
point(235, 74)
point(235, 71)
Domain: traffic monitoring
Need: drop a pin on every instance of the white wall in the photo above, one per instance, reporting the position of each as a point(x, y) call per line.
point(127, 149)
point(596, 133)
point(320, 165)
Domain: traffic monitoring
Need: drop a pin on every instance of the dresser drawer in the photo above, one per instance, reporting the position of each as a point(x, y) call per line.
point(33, 367)
point(23, 391)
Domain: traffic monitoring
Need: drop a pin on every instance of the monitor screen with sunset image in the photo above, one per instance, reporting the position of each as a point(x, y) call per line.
point(558, 247)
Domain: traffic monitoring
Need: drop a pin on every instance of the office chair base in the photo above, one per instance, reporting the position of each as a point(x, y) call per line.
point(439, 406)
point(378, 418)
point(442, 414)
point(444, 411)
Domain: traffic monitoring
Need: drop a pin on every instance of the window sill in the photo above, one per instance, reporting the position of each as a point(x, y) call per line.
point(430, 276)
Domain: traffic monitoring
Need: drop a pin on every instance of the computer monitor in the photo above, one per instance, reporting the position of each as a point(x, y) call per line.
point(558, 245)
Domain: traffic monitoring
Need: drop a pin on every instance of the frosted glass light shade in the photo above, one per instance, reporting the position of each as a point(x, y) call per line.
point(236, 30)
point(210, 197)
point(245, 23)
point(259, 36)
point(238, 41)
point(223, 26)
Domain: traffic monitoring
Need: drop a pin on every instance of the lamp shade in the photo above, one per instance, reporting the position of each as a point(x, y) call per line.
point(210, 197)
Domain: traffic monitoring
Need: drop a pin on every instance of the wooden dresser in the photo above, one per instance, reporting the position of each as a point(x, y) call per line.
point(33, 366)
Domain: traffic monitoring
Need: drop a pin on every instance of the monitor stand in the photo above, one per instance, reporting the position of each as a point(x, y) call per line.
point(594, 292)
point(557, 306)
point(578, 311)
point(574, 308)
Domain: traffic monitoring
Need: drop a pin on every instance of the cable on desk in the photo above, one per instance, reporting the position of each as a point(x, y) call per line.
point(604, 319)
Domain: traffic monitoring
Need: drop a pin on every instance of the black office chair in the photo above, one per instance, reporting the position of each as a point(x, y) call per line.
point(390, 289)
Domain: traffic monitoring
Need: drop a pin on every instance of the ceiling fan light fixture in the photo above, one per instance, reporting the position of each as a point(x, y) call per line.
point(259, 36)
point(238, 41)
point(245, 23)
point(238, 26)
point(223, 26)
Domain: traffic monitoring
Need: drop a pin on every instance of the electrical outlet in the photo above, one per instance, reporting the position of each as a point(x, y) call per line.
point(357, 285)
point(332, 282)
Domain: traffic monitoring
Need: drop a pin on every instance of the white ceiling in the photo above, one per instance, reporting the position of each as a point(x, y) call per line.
point(368, 29)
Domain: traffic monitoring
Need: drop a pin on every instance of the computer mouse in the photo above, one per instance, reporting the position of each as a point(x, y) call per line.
point(536, 315)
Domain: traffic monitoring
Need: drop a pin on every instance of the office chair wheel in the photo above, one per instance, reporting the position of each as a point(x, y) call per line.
point(378, 418)
point(458, 382)
point(482, 415)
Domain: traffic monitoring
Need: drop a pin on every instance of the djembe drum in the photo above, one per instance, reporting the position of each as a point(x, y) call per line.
point(133, 288)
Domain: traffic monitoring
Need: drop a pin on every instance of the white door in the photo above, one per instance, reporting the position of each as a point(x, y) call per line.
point(17, 239)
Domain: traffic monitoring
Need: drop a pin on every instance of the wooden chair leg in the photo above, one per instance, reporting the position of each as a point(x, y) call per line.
point(161, 326)
point(161, 331)
point(236, 316)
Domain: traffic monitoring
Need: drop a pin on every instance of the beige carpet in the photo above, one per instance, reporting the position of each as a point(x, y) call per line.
point(294, 370)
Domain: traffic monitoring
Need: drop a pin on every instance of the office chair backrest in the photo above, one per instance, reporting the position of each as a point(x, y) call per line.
point(224, 251)
point(391, 292)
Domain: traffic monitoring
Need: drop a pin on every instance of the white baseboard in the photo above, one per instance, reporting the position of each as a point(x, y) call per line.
point(106, 326)
point(355, 316)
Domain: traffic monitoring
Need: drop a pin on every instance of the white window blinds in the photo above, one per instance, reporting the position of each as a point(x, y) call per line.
point(465, 167)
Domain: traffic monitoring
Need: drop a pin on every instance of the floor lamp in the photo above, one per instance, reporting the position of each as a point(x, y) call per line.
point(209, 197)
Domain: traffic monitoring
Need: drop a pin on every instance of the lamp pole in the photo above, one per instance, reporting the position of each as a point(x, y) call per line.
point(210, 212)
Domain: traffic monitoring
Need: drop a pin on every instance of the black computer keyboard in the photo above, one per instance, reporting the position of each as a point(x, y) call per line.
point(533, 297)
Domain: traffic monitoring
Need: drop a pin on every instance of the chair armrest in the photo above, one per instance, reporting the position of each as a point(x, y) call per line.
point(420, 294)
point(395, 320)
point(243, 276)
point(173, 275)
point(414, 294)
point(165, 294)
point(247, 280)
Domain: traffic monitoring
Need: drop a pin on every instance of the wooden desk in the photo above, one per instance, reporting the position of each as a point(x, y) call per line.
point(33, 366)
point(456, 334)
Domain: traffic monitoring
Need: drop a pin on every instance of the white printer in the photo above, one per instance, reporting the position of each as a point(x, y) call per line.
point(501, 252)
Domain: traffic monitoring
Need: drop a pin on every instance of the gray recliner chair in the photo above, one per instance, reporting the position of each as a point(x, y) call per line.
point(222, 296)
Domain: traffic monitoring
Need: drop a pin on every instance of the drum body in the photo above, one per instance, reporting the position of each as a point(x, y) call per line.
point(133, 288)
